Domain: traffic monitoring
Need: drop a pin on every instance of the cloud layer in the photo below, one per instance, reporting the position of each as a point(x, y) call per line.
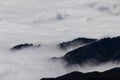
point(49, 22)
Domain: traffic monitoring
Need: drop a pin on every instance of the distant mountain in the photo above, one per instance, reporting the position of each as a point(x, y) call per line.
point(23, 46)
point(104, 50)
point(113, 74)
point(76, 43)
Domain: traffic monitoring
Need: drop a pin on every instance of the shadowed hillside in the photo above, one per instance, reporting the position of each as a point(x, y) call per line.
point(104, 50)
point(112, 74)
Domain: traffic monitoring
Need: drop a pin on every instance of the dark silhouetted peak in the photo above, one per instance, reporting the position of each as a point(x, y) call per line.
point(112, 74)
point(104, 50)
point(22, 46)
point(114, 70)
point(76, 43)
point(48, 79)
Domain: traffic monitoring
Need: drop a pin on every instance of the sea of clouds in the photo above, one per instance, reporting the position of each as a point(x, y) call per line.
point(50, 22)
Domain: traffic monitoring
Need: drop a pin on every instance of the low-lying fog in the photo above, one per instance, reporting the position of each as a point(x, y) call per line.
point(49, 22)
point(33, 64)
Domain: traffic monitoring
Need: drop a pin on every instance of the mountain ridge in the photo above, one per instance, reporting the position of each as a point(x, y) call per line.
point(112, 74)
